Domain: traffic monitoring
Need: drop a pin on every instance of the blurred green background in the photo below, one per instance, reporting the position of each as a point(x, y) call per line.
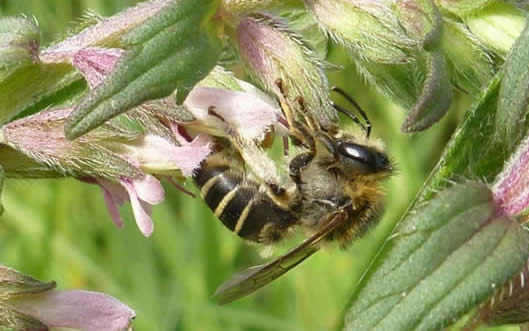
point(60, 229)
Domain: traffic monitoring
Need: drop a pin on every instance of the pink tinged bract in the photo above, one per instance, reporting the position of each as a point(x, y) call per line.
point(95, 63)
point(108, 29)
point(511, 188)
point(82, 310)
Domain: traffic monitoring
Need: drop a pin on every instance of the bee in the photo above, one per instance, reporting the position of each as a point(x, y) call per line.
point(334, 192)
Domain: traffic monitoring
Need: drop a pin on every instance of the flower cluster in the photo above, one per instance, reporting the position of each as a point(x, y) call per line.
point(146, 97)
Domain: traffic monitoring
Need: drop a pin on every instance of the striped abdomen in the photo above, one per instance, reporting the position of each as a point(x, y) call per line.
point(240, 206)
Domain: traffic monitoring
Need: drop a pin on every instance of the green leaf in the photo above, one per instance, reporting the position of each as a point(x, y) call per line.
point(172, 50)
point(443, 260)
point(436, 96)
point(514, 91)
point(32, 87)
point(471, 153)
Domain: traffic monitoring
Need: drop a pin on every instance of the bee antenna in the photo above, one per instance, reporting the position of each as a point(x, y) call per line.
point(367, 126)
point(351, 116)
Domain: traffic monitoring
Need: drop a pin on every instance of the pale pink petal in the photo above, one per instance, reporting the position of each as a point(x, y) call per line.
point(158, 155)
point(112, 207)
point(95, 63)
point(245, 113)
point(118, 192)
point(142, 211)
point(149, 189)
point(83, 310)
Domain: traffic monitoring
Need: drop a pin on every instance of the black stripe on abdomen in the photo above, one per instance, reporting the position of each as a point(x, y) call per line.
point(264, 212)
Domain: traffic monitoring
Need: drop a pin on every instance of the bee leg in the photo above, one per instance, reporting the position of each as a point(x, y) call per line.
point(298, 130)
point(311, 121)
point(297, 164)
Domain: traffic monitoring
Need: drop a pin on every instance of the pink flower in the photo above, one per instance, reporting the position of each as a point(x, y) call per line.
point(142, 194)
point(122, 162)
point(29, 304)
point(83, 310)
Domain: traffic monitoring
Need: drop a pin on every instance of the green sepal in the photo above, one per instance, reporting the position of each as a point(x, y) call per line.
point(514, 91)
point(11, 320)
point(443, 260)
point(17, 165)
point(463, 7)
point(470, 65)
point(302, 22)
point(497, 25)
point(31, 88)
point(171, 51)
point(14, 283)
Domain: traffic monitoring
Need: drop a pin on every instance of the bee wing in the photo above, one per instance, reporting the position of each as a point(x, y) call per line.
point(253, 278)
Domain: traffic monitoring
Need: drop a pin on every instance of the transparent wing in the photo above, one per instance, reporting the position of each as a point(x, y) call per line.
point(251, 279)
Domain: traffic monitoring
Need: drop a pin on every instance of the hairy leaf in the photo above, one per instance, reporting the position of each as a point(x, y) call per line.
point(444, 260)
point(514, 91)
point(172, 50)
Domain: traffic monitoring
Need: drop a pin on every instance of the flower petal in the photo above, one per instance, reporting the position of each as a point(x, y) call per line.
point(160, 156)
point(89, 311)
point(246, 113)
point(142, 211)
point(149, 190)
point(112, 206)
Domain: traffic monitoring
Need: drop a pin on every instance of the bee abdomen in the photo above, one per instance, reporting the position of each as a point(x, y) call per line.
point(241, 207)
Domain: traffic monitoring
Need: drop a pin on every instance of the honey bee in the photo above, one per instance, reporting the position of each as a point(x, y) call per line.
point(334, 192)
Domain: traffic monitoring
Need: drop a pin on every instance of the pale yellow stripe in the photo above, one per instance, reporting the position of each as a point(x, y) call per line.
point(207, 186)
point(224, 202)
point(242, 218)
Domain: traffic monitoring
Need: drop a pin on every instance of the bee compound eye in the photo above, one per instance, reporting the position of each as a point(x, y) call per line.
point(356, 152)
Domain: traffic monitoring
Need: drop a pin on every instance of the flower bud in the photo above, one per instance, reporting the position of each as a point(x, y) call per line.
point(19, 42)
point(271, 51)
point(366, 28)
point(395, 46)
point(421, 20)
